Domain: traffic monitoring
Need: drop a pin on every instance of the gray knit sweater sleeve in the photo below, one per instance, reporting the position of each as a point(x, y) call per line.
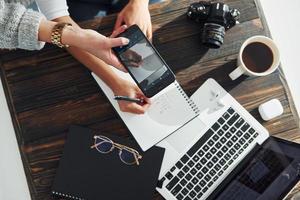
point(19, 27)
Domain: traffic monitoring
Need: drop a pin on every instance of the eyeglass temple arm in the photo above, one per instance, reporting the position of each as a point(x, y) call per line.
point(137, 157)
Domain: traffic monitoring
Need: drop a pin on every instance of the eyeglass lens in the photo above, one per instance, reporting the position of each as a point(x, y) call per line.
point(127, 156)
point(103, 146)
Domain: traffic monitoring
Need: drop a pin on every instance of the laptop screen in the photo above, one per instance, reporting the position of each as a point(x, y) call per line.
point(269, 174)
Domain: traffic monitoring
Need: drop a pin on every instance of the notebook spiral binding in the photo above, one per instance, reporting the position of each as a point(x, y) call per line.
point(189, 100)
point(66, 195)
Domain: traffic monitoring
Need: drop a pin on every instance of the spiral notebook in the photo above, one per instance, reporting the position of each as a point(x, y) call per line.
point(171, 109)
point(86, 174)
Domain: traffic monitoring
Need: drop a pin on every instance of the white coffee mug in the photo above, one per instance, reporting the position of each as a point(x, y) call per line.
point(243, 69)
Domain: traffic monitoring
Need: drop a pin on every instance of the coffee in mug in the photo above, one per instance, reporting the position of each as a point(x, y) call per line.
point(259, 56)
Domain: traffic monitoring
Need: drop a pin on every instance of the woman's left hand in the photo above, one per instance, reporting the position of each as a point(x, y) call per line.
point(136, 12)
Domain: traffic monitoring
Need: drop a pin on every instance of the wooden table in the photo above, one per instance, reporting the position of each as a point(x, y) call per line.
point(48, 90)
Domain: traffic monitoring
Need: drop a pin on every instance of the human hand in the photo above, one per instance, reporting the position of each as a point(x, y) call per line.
point(101, 46)
point(136, 12)
point(126, 88)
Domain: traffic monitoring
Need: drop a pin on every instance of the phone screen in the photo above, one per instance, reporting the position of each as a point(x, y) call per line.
point(143, 62)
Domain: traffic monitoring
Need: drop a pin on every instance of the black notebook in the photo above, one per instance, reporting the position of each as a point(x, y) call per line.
point(86, 174)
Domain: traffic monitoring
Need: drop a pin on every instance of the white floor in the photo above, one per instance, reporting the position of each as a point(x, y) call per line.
point(283, 20)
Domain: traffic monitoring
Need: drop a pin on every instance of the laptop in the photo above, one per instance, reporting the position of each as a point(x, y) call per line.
point(202, 154)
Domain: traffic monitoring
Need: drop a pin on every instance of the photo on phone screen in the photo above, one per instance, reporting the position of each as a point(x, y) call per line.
point(143, 63)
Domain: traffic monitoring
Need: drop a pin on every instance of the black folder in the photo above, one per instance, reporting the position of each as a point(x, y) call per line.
point(84, 173)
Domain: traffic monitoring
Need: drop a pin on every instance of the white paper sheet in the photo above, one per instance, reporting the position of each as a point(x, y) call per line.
point(168, 112)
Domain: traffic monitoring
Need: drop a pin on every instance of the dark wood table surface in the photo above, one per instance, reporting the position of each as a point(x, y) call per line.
point(48, 90)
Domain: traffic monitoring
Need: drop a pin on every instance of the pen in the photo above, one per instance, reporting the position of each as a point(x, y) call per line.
point(125, 98)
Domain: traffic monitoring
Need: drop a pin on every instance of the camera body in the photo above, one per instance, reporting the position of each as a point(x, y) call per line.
point(216, 18)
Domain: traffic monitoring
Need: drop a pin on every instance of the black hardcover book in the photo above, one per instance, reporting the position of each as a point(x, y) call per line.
point(86, 174)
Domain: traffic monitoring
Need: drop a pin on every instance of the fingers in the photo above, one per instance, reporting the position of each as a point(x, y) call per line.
point(147, 101)
point(116, 42)
point(114, 61)
point(140, 95)
point(119, 22)
point(133, 108)
point(136, 108)
point(121, 68)
point(149, 32)
point(146, 106)
point(118, 31)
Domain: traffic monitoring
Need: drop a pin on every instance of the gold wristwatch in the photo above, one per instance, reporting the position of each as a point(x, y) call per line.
point(56, 34)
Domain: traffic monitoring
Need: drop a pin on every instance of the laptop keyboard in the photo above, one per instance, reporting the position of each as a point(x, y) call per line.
point(210, 156)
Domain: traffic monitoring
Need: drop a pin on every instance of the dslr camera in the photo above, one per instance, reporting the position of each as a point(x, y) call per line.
point(216, 18)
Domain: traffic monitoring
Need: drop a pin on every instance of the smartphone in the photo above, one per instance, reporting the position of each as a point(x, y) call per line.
point(143, 62)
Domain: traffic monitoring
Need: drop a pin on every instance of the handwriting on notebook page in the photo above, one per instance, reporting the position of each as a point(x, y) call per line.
point(168, 109)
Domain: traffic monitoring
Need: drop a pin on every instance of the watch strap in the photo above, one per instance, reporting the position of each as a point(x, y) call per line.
point(56, 35)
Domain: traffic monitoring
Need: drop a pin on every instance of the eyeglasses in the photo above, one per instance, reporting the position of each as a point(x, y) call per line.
point(127, 155)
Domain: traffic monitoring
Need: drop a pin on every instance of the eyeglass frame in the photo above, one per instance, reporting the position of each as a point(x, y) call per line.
point(120, 147)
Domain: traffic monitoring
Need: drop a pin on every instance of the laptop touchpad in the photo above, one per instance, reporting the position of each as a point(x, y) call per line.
point(181, 139)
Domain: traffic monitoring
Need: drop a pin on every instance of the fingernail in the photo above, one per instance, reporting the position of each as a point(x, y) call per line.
point(125, 41)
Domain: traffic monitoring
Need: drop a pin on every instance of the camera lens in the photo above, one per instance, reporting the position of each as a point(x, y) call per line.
point(213, 35)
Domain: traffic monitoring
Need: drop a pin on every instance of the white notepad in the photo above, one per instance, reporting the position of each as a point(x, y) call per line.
point(170, 110)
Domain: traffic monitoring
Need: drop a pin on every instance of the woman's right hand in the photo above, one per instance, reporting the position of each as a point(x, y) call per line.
point(125, 88)
point(100, 45)
point(86, 39)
